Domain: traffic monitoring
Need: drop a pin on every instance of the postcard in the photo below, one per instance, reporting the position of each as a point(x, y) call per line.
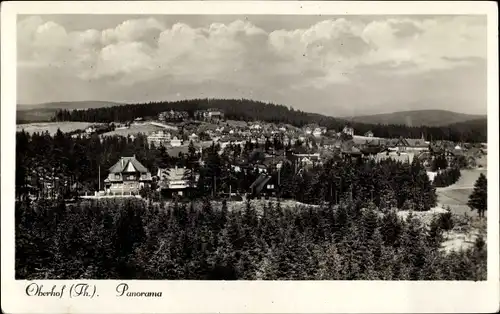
point(249, 157)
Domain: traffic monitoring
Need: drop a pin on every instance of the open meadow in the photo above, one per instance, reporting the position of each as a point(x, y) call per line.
point(456, 195)
point(52, 127)
point(135, 129)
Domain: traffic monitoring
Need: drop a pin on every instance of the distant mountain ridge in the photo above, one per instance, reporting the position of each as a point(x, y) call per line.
point(436, 118)
point(69, 105)
point(45, 111)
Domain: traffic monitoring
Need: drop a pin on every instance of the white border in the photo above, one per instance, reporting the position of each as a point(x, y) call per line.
point(245, 296)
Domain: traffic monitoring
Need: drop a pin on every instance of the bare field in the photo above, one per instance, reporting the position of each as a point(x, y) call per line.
point(456, 195)
point(52, 127)
point(135, 129)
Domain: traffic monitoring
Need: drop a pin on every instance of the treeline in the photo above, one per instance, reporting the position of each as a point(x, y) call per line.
point(68, 162)
point(447, 177)
point(387, 184)
point(129, 239)
point(249, 110)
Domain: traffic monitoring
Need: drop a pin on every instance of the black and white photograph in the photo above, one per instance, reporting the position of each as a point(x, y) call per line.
point(259, 147)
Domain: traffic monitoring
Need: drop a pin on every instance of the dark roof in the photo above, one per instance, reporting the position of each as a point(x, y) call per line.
point(123, 163)
point(413, 142)
point(260, 182)
point(371, 149)
point(351, 150)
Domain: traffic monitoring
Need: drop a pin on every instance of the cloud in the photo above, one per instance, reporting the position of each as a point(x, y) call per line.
point(328, 53)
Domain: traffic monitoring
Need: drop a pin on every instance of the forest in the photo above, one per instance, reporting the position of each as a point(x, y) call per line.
point(249, 110)
point(132, 239)
point(68, 161)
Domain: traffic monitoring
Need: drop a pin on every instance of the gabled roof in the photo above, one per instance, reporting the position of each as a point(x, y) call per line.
point(128, 164)
point(260, 182)
point(412, 142)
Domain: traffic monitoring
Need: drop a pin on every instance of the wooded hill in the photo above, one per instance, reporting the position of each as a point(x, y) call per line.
point(419, 118)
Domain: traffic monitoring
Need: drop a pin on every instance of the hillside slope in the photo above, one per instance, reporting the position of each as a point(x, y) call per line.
point(45, 111)
point(69, 105)
point(418, 118)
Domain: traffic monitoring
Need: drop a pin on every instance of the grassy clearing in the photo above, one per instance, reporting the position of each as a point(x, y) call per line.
point(135, 129)
point(234, 123)
point(52, 127)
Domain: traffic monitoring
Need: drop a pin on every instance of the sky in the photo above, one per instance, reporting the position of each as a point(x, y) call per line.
point(334, 65)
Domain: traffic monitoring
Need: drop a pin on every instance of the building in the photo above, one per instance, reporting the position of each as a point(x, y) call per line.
point(318, 132)
point(173, 116)
point(160, 138)
point(175, 142)
point(255, 126)
point(211, 114)
point(398, 157)
point(174, 182)
point(306, 159)
point(369, 134)
point(194, 138)
point(263, 186)
point(348, 130)
point(407, 144)
point(127, 176)
point(90, 130)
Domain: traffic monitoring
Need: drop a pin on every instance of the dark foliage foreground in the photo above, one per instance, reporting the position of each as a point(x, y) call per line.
point(129, 239)
point(447, 177)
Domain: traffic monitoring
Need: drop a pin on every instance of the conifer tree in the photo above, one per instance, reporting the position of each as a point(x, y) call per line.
point(479, 197)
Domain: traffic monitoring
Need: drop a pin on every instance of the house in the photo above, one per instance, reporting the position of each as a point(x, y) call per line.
point(405, 144)
point(90, 130)
point(160, 138)
point(369, 134)
point(371, 149)
point(255, 126)
point(317, 132)
point(173, 116)
point(175, 182)
point(348, 130)
point(263, 186)
point(128, 175)
point(307, 159)
point(212, 114)
point(330, 143)
point(260, 168)
point(194, 138)
point(236, 168)
point(175, 142)
point(399, 157)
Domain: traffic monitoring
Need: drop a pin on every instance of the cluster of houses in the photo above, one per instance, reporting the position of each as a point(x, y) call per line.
point(173, 116)
point(128, 175)
point(314, 139)
point(164, 138)
point(209, 115)
point(304, 147)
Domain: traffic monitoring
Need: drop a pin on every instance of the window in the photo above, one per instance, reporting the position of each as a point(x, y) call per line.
point(117, 176)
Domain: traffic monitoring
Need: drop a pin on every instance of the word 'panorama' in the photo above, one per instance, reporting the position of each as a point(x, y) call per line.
point(122, 290)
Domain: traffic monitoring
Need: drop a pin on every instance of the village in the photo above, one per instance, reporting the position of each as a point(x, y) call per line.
point(275, 144)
